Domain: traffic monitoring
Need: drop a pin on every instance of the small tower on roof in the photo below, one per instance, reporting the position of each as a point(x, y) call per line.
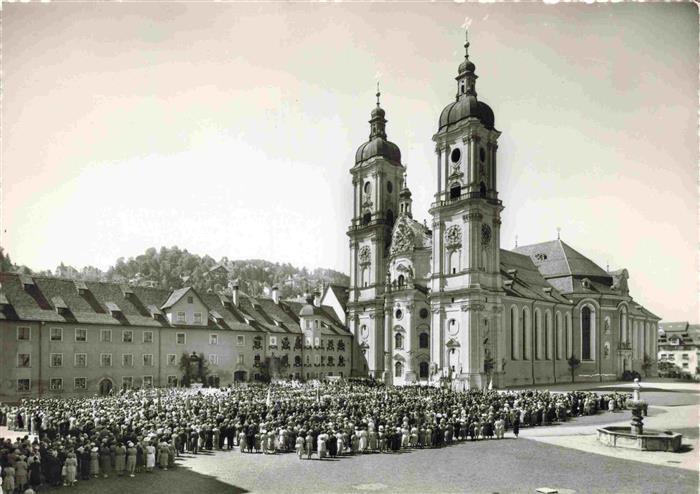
point(405, 200)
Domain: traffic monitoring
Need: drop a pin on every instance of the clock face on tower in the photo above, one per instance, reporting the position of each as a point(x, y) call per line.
point(485, 234)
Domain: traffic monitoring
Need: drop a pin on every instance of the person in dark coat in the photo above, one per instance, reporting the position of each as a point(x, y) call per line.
point(516, 425)
point(84, 463)
point(35, 473)
point(332, 444)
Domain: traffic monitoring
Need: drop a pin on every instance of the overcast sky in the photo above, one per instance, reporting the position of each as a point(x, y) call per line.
point(230, 129)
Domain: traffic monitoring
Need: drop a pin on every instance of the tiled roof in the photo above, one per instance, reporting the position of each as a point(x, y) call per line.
point(341, 293)
point(672, 327)
point(175, 297)
point(522, 279)
point(141, 306)
point(556, 258)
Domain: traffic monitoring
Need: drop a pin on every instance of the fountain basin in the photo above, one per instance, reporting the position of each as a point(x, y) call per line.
point(649, 440)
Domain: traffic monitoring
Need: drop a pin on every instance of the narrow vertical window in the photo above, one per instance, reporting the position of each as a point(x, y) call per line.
point(586, 333)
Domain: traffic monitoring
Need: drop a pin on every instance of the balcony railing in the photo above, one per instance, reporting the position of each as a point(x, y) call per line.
point(467, 195)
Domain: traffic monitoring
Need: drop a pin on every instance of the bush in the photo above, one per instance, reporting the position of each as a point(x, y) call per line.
point(631, 375)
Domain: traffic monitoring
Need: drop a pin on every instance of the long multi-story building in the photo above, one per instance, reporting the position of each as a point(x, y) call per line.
point(68, 337)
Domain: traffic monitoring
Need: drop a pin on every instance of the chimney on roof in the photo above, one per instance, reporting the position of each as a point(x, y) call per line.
point(317, 298)
point(234, 292)
point(275, 294)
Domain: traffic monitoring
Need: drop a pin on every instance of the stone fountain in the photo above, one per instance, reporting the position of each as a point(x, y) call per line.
point(635, 437)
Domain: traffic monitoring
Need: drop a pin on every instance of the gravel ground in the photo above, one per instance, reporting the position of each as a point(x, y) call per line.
point(506, 466)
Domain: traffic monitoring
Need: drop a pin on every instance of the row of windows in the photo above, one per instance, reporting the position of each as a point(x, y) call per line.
point(545, 340)
point(81, 383)
point(423, 370)
point(81, 336)
point(284, 360)
point(81, 359)
point(423, 341)
point(672, 356)
point(181, 318)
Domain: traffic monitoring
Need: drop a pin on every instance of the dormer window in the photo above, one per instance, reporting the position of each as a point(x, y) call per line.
point(59, 305)
point(154, 311)
point(27, 281)
point(113, 309)
point(80, 287)
point(127, 291)
point(541, 256)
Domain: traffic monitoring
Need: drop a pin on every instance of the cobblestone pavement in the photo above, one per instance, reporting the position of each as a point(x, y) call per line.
point(537, 459)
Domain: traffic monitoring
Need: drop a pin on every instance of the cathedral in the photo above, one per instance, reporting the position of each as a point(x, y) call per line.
point(444, 304)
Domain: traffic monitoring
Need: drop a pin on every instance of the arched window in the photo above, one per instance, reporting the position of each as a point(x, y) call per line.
point(537, 336)
point(548, 335)
point(423, 370)
point(367, 188)
point(482, 189)
point(525, 326)
point(455, 191)
point(568, 336)
point(513, 333)
point(365, 276)
point(424, 340)
point(366, 218)
point(401, 281)
point(586, 333)
point(559, 336)
point(398, 341)
point(454, 261)
point(398, 369)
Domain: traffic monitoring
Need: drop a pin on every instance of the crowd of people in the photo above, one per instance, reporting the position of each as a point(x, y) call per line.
point(134, 432)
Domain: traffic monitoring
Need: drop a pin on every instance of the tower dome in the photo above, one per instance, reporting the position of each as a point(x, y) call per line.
point(466, 104)
point(378, 144)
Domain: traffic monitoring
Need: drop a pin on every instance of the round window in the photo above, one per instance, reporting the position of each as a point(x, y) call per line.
point(364, 332)
point(368, 187)
point(456, 155)
point(398, 313)
point(423, 313)
point(389, 187)
point(482, 154)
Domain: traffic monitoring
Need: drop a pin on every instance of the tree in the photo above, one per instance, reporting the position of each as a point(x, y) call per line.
point(666, 368)
point(573, 364)
point(647, 363)
point(5, 262)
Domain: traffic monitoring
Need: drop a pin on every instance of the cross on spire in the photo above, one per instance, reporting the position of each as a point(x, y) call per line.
point(378, 93)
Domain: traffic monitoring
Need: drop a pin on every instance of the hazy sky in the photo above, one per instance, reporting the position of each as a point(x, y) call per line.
point(230, 129)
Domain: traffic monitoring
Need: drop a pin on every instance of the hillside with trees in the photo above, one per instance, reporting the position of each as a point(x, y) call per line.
point(173, 268)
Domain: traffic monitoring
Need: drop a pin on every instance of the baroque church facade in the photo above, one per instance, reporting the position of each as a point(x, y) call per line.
point(445, 304)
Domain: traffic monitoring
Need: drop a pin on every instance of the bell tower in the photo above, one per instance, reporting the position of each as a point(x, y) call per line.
point(376, 181)
point(465, 284)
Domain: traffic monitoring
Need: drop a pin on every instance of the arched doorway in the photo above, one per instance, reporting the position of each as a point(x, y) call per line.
point(423, 370)
point(240, 376)
point(106, 386)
